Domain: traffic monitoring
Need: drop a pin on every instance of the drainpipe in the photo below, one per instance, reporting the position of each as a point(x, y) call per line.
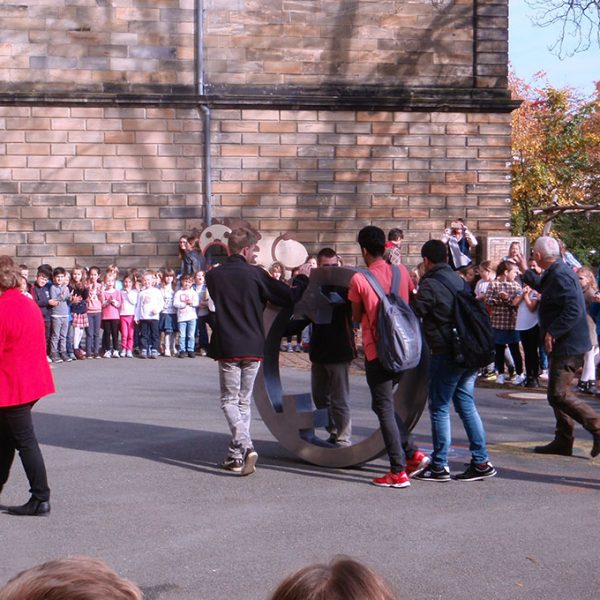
point(205, 110)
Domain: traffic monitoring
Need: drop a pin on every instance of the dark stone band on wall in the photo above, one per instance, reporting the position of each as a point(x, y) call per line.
point(333, 97)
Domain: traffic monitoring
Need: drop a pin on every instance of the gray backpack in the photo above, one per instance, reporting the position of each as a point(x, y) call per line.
point(398, 332)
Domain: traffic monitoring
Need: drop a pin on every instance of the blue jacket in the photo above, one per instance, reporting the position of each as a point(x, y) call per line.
point(562, 309)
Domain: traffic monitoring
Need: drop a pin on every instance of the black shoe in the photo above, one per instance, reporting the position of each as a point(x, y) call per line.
point(476, 472)
point(34, 508)
point(191, 354)
point(250, 458)
point(532, 382)
point(182, 355)
point(596, 445)
point(233, 464)
point(432, 474)
point(554, 447)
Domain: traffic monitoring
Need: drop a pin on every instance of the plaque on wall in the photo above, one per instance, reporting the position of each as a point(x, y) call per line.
point(496, 247)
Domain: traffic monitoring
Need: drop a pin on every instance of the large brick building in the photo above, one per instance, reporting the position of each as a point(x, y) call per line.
point(322, 116)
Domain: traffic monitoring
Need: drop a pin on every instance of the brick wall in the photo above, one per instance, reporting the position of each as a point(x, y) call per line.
point(121, 184)
point(327, 116)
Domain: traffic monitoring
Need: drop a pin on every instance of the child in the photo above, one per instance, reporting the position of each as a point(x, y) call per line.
point(168, 316)
point(147, 313)
point(59, 302)
point(111, 321)
point(24, 286)
point(204, 316)
point(503, 296)
point(79, 294)
point(94, 313)
point(185, 301)
point(41, 296)
point(129, 296)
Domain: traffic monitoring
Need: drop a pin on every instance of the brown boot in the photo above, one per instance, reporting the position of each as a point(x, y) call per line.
point(555, 447)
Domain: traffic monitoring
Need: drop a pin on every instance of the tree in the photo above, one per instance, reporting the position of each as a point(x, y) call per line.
point(578, 22)
point(556, 166)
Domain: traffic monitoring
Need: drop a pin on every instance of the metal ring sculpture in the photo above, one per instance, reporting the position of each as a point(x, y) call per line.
point(292, 419)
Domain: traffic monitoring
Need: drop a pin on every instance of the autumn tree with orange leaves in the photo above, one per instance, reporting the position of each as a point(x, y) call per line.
point(556, 167)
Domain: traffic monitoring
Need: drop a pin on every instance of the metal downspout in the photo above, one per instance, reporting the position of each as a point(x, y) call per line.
point(206, 114)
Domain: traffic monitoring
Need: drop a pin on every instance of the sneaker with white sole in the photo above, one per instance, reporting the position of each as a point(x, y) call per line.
point(519, 379)
point(433, 474)
point(107, 354)
point(417, 463)
point(250, 458)
point(500, 379)
point(233, 464)
point(116, 354)
point(475, 472)
point(392, 480)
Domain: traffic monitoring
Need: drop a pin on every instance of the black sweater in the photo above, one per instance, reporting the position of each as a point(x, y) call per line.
point(240, 292)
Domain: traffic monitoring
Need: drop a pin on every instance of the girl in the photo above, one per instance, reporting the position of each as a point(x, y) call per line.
point(587, 381)
point(110, 317)
point(168, 316)
point(503, 296)
point(94, 313)
point(147, 314)
point(191, 257)
point(528, 327)
point(186, 301)
point(129, 296)
point(79, 296)
point(487, 273)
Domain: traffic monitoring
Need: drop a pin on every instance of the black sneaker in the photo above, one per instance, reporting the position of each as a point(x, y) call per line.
point(233, 464)
point(476, 472)
point(433, 474)
point(250, 458)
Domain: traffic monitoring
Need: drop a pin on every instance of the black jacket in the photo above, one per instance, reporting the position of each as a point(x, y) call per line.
point(41, 295)
point(562, 309)
point(240, 292)
point(434, 304)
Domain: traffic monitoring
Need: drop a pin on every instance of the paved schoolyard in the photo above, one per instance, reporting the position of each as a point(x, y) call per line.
point(132, 446)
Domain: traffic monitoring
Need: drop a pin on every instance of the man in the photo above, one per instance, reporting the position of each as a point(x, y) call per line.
point(240, 292)
point(393, 254)
point(331, 352)
point(365, 304)
point(460, 241)
point(564, 330)
point(448, 382)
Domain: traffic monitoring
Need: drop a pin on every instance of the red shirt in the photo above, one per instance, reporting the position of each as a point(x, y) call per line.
point(360, 291)
point(25, 375)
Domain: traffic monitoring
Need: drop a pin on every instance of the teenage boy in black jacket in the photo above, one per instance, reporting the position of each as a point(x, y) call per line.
point(240, 292)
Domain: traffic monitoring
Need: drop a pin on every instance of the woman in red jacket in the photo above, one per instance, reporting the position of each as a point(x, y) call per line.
point(24, 378)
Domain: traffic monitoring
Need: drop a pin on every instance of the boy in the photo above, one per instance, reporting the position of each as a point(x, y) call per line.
point(186, 301)
point(41, 296)
point(59, 316)
point(147, 313)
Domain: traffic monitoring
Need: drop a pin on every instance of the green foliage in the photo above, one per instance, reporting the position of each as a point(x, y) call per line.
point(581, 234)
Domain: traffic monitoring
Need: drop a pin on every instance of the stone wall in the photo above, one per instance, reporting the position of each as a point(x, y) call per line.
point(326, 116)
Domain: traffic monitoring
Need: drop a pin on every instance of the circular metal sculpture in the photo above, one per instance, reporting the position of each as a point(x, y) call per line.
point(292, 419)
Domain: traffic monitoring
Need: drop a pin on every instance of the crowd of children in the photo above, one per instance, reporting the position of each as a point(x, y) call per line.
point(93, 314)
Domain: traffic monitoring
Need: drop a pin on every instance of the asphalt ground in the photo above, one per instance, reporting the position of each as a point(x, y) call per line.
point(132, 449)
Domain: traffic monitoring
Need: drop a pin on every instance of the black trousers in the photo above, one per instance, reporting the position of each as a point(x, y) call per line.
point(110, 334)
point(149, 335)
point(16, 433)
point(398, 442)
point(530, 338)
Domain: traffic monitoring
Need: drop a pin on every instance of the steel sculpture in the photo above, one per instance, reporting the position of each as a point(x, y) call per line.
point(292, 418)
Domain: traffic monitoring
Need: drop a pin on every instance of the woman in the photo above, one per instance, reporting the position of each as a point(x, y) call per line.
point(192, 259)
point(24, 378)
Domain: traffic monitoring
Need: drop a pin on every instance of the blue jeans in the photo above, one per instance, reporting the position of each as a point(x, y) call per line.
point(450, 383)
point(187, 335)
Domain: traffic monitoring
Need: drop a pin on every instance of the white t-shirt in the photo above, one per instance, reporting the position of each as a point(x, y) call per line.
point(526, 319)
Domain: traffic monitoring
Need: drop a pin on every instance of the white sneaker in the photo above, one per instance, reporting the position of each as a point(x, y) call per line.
point(129, 354)
point(500, 379)
point(544, 374)
point(519, 379)
point(107, 354)
point(116, 354)
point(123, 353)
point(167, 352)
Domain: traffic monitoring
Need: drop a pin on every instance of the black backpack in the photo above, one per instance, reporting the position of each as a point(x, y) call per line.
point(472, 340)
point(398, 333)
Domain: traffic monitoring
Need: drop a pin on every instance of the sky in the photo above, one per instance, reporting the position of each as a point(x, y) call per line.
point(529, 53)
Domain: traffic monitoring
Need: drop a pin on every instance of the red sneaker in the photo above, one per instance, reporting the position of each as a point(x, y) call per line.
point(417, 463)
point(395, 480)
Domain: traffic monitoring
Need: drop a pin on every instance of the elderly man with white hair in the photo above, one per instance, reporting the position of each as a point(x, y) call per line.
point(566, 338)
